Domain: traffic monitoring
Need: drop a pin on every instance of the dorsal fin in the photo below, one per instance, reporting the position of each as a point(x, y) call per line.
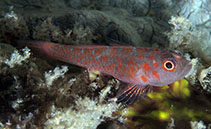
point(112, 42)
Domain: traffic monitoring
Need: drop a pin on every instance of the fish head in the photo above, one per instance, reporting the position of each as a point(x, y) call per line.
point(172, 66)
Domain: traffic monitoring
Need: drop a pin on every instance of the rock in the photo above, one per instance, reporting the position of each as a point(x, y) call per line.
point(205, 79)
point(187, 37)
point(191, 32)
point(133, 22)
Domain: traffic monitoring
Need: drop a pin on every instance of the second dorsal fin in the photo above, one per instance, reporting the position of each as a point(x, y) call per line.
point(112, 42)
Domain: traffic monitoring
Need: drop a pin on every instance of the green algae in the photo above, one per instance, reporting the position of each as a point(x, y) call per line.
point(179, 102)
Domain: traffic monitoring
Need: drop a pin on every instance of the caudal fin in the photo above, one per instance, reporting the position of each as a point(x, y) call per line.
point(37, 47)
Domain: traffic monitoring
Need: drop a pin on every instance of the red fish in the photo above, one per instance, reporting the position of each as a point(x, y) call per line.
point(140, 68)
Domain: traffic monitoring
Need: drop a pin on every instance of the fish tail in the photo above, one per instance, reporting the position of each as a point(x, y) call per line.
point(38, 47)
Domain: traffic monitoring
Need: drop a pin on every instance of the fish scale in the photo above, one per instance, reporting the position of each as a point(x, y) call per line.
point(140, 68)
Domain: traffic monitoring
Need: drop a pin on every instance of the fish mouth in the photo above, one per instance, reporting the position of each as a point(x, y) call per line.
point(186, 70)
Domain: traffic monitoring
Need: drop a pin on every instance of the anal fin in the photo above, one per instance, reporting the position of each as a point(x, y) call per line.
point(132, 93)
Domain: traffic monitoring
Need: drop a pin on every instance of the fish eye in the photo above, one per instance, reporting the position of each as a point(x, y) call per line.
point(169, 65)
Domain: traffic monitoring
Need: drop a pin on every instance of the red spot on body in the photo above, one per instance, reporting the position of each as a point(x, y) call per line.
point(76, 51)
point(146, 67)
point(87, 52)
point(96, 61)
point(123, 69)
point(89, 62)
point(104, 58)
point(152, 57)
point(78, 60)
point(67, 50)
point(98, 52)
point(99, 68)
point(104, 68)
point(118, 69)
point(131, 73)
point(82, 56)
point(48, 45)
point(111, 66)
point(155, 74)
point(140, 50)
point(131, 61)
point(112, 53)
point(119, 64)
point(127, 51)
point(133, 70)
point(155, 64)
point(63, 51)
point(140, 57)
point(119, 59)
point(157, 51)
point(143, 78)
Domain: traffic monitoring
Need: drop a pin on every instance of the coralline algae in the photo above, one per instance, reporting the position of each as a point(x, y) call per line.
point(205, 79)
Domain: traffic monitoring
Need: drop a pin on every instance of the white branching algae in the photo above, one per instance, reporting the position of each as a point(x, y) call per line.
point(189, 37)
point(87, 114)
point(197, 125)
point(50, 76)
point(16, 58)
point(205, 79)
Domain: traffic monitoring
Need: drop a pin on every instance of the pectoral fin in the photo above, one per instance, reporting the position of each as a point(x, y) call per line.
point(132, 93)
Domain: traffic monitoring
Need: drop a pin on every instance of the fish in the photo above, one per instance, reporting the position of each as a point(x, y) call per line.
point(139, 68)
